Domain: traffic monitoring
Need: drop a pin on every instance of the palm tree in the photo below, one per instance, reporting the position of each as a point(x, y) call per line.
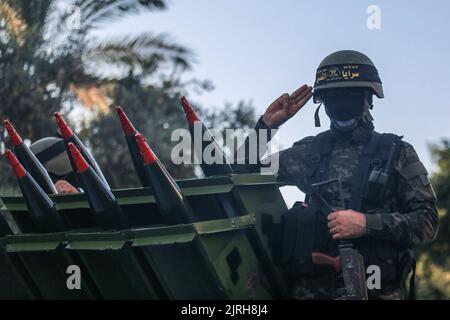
point(49, 59)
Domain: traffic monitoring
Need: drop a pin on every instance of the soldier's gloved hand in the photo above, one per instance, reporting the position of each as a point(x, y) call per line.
point(286, 106)
point(346, 224)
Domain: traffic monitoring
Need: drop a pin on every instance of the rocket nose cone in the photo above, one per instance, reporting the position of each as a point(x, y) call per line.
point(19, 170)
point(147, 154)
point(16, 140)
point(80, 163)
point(186, 105)
point(191, 116)
point(66, 132)
point(127, 126)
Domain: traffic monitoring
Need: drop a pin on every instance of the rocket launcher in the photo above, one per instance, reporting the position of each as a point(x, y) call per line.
point(130, 136)
point(192, 118)
point(29, 160)
point(172, 203)
point(42, 210)
point(70, 137)
point(102, 201)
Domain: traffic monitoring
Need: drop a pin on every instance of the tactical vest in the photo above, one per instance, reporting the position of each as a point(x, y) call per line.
point(305, 227)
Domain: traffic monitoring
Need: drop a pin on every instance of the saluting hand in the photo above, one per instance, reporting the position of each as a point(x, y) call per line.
point(286, 106)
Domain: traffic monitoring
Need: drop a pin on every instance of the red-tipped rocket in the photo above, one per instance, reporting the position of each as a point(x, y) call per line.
point(29, 160)
point(130, 136)
point(170, 200)
point(127, 126)
point(18, 168)
point(69, 136)
point(102, 201)
point(193, 120)
point(191, 115)
point(42, 210)
point(223, 168)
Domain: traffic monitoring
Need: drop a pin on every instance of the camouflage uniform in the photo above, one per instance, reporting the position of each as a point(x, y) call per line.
point(411, 217)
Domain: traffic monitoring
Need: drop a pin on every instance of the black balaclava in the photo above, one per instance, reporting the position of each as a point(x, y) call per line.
point(347, 108)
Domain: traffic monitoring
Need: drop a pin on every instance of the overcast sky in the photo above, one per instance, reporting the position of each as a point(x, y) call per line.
point(257, 50)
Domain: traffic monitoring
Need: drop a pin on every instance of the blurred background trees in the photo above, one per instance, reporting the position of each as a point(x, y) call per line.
point(50, 62)
point(155, 112)
point(433, 268)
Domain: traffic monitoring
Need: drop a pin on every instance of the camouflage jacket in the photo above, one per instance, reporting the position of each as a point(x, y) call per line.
point(409, 215)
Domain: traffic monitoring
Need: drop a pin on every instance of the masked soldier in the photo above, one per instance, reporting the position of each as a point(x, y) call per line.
point(384, 201)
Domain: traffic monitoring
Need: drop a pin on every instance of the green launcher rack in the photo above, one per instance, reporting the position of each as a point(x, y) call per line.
point(218, 257)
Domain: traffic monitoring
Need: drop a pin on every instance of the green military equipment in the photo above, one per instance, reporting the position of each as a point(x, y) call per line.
point(14, 278)
point(29, 160)
point(40, 206)
point(208, 140)
point(170, 199)
point(209, 170)
point(215, 258)
point(104, 206)
point(70, 137)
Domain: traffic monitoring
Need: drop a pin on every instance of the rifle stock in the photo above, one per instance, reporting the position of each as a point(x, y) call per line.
point(351, 261)
point(321, 259)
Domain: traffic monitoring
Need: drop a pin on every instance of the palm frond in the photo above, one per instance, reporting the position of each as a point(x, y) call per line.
point(144, 52)
point(94, 12)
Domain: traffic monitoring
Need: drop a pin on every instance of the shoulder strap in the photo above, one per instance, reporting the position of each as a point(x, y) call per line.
point(377, 151)
point(320, 148)
point(361, 172)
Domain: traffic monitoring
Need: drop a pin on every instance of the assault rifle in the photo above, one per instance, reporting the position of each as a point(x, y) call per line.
point(350, 262)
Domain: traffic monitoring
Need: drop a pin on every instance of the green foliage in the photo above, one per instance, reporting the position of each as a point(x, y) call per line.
point(131, 53)
point(242, 116)
point(45, 57)
point(94, 13)
point(39, 61)
point(434, 261)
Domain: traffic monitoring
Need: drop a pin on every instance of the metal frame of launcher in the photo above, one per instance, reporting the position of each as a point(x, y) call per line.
point(350, 262)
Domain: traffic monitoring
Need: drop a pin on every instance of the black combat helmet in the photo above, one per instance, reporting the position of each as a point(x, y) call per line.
point(51, 152)
point(347, 69)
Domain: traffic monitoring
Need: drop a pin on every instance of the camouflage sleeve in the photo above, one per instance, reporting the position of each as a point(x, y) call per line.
point(417, 220)
point(289, 165)
point(294, 164)
point(247, 156)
